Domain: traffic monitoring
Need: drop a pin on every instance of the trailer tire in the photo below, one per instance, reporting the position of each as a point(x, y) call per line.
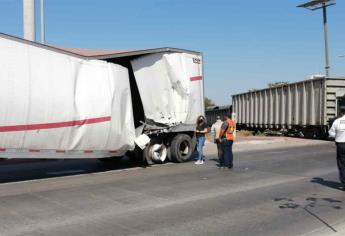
point(181, 148)
point(155, 152)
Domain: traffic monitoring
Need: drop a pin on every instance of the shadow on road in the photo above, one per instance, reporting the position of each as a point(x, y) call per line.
point(328, 183)
point(14, 171)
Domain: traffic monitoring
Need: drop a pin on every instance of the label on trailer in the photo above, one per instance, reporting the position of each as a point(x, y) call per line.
point(196, 60)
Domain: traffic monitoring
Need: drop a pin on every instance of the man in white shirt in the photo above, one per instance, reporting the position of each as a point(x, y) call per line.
point(215, 130)
point(337, 131)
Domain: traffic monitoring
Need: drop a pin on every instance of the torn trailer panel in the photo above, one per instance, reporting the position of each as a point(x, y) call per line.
point(166, 87)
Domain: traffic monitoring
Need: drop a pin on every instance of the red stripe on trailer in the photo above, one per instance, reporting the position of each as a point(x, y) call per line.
point(88, 151)
point(60, 151)
point(54, 125)
point(195, 78)
point(2, 149)
point(34, 150)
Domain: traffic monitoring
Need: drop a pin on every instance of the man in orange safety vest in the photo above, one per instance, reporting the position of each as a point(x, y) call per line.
point(227, 137)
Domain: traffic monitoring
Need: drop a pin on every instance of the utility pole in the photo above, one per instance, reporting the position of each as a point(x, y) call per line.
point(322, 4)
point(29, 19)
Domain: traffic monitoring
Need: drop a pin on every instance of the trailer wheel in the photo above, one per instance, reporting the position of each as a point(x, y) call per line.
point(155, 152)
point(181, 148)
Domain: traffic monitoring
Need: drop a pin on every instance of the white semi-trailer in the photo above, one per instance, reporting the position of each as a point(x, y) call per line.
point(63, 103)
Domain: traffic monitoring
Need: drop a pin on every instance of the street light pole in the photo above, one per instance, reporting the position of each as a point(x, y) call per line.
point(322, 4)
point(325, 33)
point(42, 23)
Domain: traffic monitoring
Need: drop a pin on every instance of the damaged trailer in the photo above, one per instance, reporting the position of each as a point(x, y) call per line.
point(71, 103)
point(306, 108)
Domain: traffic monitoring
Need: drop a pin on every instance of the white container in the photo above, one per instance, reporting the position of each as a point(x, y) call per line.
point(57, 103)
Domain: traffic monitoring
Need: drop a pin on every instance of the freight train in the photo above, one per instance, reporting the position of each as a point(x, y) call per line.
point(214, 111)
point(307, 107)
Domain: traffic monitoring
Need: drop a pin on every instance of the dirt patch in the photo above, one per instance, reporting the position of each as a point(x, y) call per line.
point(251, 143)
point(244, 133)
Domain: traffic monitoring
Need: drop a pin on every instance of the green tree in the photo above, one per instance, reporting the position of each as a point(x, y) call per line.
point(209, 103)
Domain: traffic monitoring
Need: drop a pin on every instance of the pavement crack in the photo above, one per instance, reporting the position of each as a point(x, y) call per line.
point(310, 202)
point(318, 218)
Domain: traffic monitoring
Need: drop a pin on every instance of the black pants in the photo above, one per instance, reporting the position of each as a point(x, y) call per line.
point(220, 153)
point(227, 152)
point(341, 161)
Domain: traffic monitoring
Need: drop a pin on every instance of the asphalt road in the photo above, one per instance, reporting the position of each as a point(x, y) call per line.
point(288, 191)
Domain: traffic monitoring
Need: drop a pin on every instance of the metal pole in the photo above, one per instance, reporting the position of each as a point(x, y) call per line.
point(42, 23)
point(327, 66)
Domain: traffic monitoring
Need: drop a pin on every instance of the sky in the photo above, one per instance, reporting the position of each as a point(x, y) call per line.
point(246, 44)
